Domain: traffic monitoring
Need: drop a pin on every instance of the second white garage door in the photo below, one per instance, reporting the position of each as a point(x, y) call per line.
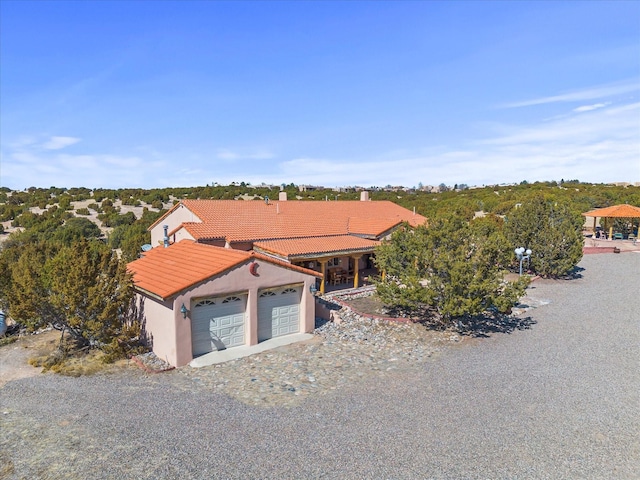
point(218, 323)
point(279, 312)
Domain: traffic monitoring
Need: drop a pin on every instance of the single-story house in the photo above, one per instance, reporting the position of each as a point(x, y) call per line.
point(225, 273)
point(325, 236)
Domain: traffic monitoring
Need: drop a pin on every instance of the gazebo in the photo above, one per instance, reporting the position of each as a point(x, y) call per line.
point(616, 211)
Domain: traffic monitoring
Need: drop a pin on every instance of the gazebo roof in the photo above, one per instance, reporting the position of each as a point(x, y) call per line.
point(616, 211)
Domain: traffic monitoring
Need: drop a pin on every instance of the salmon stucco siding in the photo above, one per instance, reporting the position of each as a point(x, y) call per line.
point(170, 331)
point(179, 214)
point(159, 326)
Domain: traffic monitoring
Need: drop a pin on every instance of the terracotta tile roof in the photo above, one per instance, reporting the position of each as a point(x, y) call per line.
point(617, 211)
point(239, 220)
point(316, 246)
point(167, 271)
point(371, 226)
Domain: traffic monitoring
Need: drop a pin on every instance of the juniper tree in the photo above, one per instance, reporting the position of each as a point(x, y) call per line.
point(553, 232)
point(450, 266)
point(81, 289)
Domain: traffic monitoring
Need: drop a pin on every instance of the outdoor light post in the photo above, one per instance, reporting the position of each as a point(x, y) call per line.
point(522, 254)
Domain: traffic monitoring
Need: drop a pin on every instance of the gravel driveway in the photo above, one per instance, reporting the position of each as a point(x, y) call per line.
point(558, 400)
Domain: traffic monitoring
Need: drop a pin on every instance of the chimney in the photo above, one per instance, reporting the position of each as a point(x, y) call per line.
point(364, 196)
point(166, 235)
point(282, 196)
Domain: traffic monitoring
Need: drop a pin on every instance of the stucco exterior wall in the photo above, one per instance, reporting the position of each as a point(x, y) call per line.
point(159, 325)
point(172, 333)
point(173, 220)
point(181, 234)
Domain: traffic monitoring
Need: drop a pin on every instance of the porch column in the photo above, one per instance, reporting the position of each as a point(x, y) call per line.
point(323, 270)
point(611, 232)
point(356, 271)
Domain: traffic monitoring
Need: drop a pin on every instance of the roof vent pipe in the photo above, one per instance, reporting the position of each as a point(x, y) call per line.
point(166, 235)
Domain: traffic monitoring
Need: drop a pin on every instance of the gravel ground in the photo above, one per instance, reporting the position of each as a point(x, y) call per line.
point(557, 400)
point(340, 354)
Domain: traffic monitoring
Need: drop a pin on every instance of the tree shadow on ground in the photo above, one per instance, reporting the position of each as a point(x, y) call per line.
point(574, 274)
point(478, 326)
point(489, 323)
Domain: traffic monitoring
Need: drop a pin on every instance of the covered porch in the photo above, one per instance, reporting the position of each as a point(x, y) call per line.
point(627, 229)
point(345, 261)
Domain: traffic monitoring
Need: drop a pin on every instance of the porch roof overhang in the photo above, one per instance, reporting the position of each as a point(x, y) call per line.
point(316, 247)
point(616, 211)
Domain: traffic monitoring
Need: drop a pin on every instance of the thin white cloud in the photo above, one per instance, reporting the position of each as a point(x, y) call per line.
point(56, 143)
point(592, 93)
point(44, 168)
point(588, 108)
point(23, 141)
point(599, 145)
point(233, 155)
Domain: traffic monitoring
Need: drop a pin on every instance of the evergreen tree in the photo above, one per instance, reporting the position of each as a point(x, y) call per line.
point(551, 230)
point(24, 290)
point(82, 289)
point(92, 289)
point(450, 266)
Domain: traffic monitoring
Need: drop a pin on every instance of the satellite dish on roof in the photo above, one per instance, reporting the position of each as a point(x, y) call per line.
point(146, 247)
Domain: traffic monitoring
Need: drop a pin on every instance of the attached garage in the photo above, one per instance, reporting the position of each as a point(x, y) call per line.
point(218, 323)
point(196, 298)
point(279, 311)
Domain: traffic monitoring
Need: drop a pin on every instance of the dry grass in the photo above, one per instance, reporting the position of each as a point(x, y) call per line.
point(8, 340)
point(370, 305)
point(67, 359)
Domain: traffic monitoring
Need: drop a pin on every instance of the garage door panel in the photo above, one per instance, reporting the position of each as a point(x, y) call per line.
point(279, 312)
point(218, 323)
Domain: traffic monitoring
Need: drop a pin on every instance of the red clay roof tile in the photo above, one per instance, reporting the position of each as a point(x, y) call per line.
point(167, 271)
point(617, 211)
point(316, 245)
point(239, 220)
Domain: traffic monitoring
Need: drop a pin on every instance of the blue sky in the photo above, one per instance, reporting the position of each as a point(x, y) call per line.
point(158, 94)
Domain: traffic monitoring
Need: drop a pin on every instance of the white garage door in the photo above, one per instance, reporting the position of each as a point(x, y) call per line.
point(279, 312)
point(218, 323)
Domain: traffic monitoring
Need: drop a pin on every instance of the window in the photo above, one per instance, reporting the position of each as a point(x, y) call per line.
point(203, 303)
point(231, 299)
point(334, 262)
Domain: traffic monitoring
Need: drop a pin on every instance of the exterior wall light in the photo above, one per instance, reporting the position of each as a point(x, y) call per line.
point(183, 311)
point(313, 289)
point(523, 254)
